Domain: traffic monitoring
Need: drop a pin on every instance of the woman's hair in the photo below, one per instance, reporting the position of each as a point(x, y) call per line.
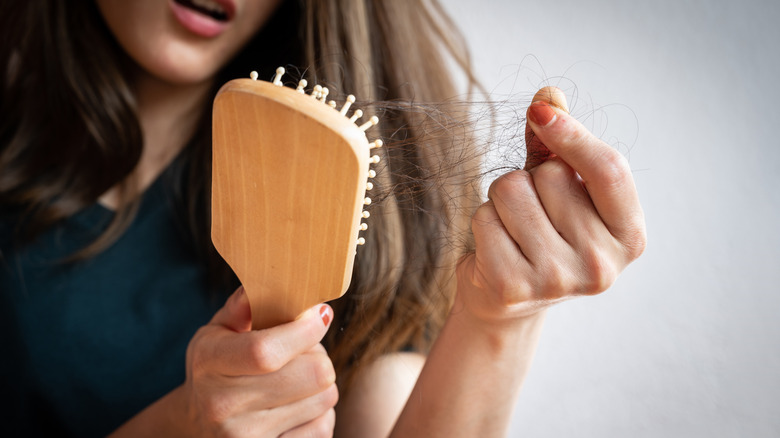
point(69, 132)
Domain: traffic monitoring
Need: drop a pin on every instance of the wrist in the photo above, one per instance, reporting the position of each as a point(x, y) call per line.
point(499, 331)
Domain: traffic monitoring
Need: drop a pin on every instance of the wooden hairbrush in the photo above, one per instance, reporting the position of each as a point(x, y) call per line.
point(290, 174)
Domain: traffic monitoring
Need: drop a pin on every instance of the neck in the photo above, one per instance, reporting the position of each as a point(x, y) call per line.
point(168, 115)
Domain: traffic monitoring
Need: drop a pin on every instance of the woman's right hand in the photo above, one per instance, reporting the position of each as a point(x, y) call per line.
point(273, 382)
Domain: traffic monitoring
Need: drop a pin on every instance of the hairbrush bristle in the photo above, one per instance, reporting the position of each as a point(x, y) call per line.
point(278, 77)
point(320, 93)
point(350, 100)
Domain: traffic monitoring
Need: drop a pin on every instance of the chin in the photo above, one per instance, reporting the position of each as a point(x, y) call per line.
point(182, 41)
point(181, 64)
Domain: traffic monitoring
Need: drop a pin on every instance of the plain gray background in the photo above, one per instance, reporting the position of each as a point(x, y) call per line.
point(685, 344)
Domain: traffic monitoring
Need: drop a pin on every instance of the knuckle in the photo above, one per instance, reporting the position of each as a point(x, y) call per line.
point(516, 180)
point(509, 289)
point(552, 172)
point(508, 184)
point(556, 282)
point(614, 170)
point(323, 426)
point(485, 214)
point(329, 397)
point(266, 355)
point(635, 242)
point(216, 409)
point(196, 358)
point(322, 371)
point(600, 272)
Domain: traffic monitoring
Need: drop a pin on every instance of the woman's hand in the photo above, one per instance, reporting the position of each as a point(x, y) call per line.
point(271, 382)
point(566, 227)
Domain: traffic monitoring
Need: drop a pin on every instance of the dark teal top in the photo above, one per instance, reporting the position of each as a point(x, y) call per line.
point(86, 346)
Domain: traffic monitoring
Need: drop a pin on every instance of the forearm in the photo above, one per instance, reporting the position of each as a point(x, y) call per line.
point(471, 379)
point(165, 417)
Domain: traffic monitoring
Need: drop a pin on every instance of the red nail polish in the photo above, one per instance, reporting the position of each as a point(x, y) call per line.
point(325, 315)
point(541, 113)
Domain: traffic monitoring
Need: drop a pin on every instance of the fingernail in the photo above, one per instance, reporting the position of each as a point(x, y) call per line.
point(325, 314)
point(541, 113)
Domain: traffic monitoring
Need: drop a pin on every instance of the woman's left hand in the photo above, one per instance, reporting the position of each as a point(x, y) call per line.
point(564, 228)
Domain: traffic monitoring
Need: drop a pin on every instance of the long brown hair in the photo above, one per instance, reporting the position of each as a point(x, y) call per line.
point(69, 132)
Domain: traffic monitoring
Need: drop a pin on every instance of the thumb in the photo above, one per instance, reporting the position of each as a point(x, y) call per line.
point(536, 152)
point(235, 314)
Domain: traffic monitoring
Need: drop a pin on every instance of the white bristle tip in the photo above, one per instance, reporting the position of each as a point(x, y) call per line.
point(347, 104)
point(332, 104)
point(363, 226)
point(253, 75)
point(369, 186)
point(367, 201)
point(372, 173)
point(278, 77)
point(376, 144)
point(371, 122)
point(366, 215)
point(356, 115)
point(361, 241)
point(375, 159)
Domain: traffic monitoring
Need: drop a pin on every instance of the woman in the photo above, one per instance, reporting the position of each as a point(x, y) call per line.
point(109, 276)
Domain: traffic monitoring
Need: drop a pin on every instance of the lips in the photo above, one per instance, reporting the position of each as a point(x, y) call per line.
point(205, 18)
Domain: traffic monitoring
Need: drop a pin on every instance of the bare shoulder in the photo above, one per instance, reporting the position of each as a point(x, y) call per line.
point(377, 396)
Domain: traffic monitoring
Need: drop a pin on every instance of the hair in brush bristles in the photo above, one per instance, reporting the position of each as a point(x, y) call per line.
point(320, 93)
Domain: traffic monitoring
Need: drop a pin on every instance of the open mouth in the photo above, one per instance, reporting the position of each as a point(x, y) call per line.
point(209, 8)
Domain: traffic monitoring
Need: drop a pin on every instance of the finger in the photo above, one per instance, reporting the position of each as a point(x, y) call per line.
point(304, 376)
point(265, 351)
point(275, 422)
point(522, 214)
point(536, 152)
point(303, 412)
point(321, 426)
point(498, 260)
point(604, 171)
point(567, 203)
point(235, 314)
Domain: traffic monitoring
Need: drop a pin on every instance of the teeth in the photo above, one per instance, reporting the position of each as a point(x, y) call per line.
point(209, 5)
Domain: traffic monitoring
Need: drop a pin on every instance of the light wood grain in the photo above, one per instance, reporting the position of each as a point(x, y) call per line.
point(289, 178)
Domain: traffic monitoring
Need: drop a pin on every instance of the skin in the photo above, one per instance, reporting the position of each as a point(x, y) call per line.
point(561, 228)
point(174, 73)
